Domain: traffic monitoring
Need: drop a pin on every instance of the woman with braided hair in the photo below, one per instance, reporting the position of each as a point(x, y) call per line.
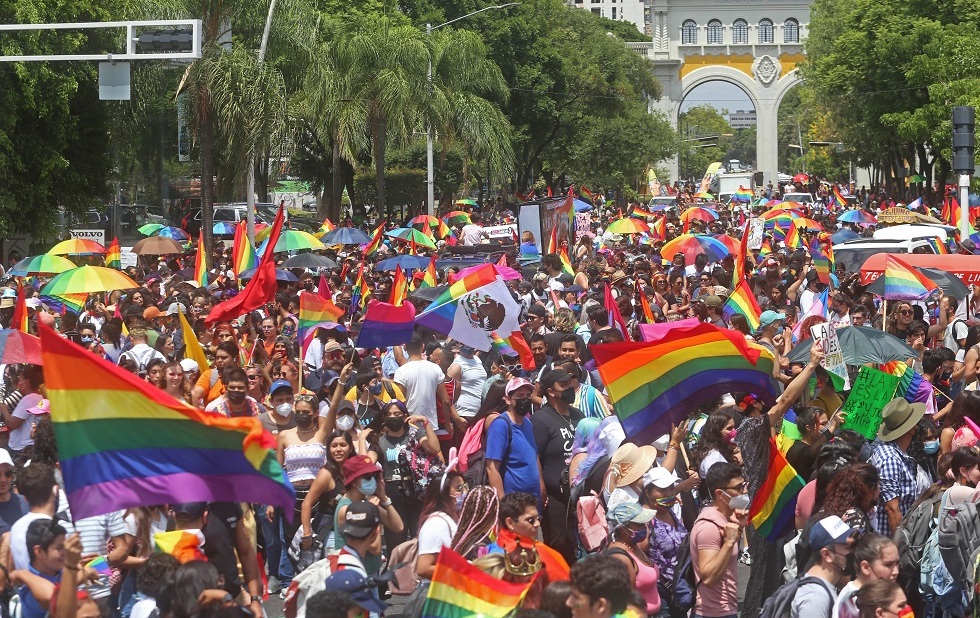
point(477, 519)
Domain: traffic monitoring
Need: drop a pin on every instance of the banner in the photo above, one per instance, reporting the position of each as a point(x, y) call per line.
point(556, 214)
point(833, 361)
point(872, 390)
point(757, 229)
point(583, 225)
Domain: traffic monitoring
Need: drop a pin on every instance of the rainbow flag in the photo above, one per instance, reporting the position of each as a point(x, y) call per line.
point(656, 383)
point(514, 345)
point(742, 195)
point(463, 286)
point(839, 198)
point(774, 507)
point(793, 239)
point(430, 280)
point(645, 305)
point(101, 566)
point(742, 302)
point(327, 226)
point(766, 248)
point(314, 312)
point(242, 251)
point(642, 213)
point(938, 246)
point(361, 290)
point(587, 194)
point(19, 321)
point(566, 264)
point(386, 325)
point(912, 386)
point(184, 545)
point(818, 308)
point(201, 262)
point(553, 241)
point(399, 288)
point(377, 238)
point(821, 263)
point(113, 255)
point(502, 346)
point(659, 228)
point(125, 443)
point(902, 282)
point(461, 590)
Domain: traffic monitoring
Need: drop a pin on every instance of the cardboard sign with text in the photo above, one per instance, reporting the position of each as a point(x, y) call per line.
point(757, 229)
point(872, 390)
point(834, 359)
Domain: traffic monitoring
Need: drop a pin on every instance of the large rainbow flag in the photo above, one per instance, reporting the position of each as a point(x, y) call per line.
point(743, 302)
point(113, 255)
point(125, 443)
point(201, 262)
point(902, 282)
point(461, 590)
point(377, 238)
point(742, 195)
point(821, 262)
point(774, 506)
point(242, 251)
point(658, 382)
point(912, 385)
point(315, 312)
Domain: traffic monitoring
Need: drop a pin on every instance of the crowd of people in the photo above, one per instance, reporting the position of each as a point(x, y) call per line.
point(526, 472)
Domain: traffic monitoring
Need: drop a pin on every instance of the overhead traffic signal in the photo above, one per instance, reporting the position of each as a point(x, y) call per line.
point(178, 40)
point(964, 142)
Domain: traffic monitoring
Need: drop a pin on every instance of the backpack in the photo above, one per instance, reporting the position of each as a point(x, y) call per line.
point(780, 603)
point(681, 592)
point(917, 542)
point(141, 363)
point(959, 538)
point(405, 578)
point(474, 452)
point(593, 529)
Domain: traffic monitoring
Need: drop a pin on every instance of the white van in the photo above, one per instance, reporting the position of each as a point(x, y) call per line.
point(908, 231)
point(896, 239)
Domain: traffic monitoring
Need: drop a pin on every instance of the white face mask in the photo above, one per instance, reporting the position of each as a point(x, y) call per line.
point(284, 409)
point(345, 422)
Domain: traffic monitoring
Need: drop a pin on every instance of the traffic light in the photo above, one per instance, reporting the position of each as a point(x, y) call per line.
point(180, 40)
point(964, 141)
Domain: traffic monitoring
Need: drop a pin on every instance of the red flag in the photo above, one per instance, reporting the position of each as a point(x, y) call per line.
point(19, 320)
point(323, 289)
point(615, 317)
point(549, 190)
point(523, 350)
point(260, 290)
point(740, 258)
point(503, 260)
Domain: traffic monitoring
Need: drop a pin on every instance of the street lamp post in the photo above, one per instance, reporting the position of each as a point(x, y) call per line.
point(431, 175)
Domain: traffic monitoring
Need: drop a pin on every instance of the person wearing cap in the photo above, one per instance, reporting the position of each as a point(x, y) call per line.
point(13, 505)
point(661, 490)
point(896, 469)
point(209, 386)
point(537, 320)
point(832, 541)
point(628, 528)
point(713, 305)
point(771, 326)
point(361, 590)
point(279, 415)
point(365, 487)
point(20, 420)
point(192, 371)
point(511, 451)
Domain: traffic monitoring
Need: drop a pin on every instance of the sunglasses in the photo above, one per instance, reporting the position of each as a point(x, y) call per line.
point(304, 397)
point(905, 312)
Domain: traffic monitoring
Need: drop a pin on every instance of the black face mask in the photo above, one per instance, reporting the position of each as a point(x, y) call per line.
point(395, 424)
point(235, 397)
point(568, 395)
point(303, 420)
point(523, 406)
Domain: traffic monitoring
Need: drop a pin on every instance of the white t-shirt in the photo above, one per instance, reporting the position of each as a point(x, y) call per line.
point(18, 538)
point(20, 438)
point(845, 606)
point(472, 234)
point(157, 525)
point(714, 456)
point(957, 329)
point(437, 532)
point(473, 375)
point(420, 379)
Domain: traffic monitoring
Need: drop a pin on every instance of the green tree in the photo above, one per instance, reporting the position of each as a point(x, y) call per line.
point(703, 140)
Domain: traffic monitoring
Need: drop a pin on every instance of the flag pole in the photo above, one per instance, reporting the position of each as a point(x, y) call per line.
point(884, 318)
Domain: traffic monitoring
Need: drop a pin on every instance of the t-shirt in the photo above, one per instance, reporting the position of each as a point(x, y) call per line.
point(30, 608)
point(95, 533)
point(846, 604)
point(801, 458)
point(12, 510)
point(211, 392)
point(20, 438)
point(472, 234)
point(521, 466)
point(269, 423)
point(958, 329)
point(420, 379)
point(814, 600)
point(722, 598)
point(473, 375)
point(553, 437)
point(18, 538)
point(437, 532)
point(714, 456)
point(219, 542)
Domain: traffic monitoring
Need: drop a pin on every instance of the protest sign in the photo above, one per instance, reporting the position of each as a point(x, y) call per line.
point(757, 228)
point(833, 360)
point(872, 390)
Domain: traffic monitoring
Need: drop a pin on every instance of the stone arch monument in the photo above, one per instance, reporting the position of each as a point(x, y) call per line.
point(753, 45)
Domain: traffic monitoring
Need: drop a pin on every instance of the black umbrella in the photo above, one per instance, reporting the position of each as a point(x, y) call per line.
point(281, 275)
point(309, 260)
point(861, 345)
point(429, 294)
point(950, 284)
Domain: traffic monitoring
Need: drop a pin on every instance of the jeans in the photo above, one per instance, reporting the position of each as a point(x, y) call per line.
point(285, 566)
point(270, 536)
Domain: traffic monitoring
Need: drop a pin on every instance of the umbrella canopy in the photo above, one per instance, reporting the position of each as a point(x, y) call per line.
point(19, 347)
point(692, 245)
point(87, 279)
point(861, 345)
point(76, 246)
point(281, 275)
point(857, 216)
point(783, 208)
point(223, 228)
point(504, 272)
point(628, 225)
point(294, 240)
point(950, 284)
point(801, 178)
point(407, 262)
point(915, 179)
point(843, 236)
point(456, 217)
point(172, 232)
point(703, 195)
point(43, 264)
point(309, 260)
point(423, 219)
point(803, 223)
point(581, 205)
point(465, 202)
point(345, 236)
point(697, 213)
point(730, 243)
point(149, 229)
point(409, 235)
point(157, 245)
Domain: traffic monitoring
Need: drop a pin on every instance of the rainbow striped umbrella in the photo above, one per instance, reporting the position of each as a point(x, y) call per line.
point(76, 246)
point(775, 212)
point(703, 195)
point(857, 216)
point(805, 223)
point(423, 219)
point(692, 245)
point(294, 240)
point(43, 264)
point(86, 279)
point(730, 243)
point(456, 217)
point(698, 213)
point(628, 225)
point(410, 234)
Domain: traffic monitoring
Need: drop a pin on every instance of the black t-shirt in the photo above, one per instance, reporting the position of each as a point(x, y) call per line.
point(219, 542)
point(553, 436)
point(801, 459)
point(389, 448)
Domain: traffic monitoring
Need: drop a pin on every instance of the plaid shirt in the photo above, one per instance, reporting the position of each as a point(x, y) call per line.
point(897, 471)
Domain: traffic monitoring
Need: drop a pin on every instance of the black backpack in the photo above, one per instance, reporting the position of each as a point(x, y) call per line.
point(681, 592)
point(780, 603)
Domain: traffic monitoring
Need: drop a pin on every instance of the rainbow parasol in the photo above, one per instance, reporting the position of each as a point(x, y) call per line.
point(85, 279)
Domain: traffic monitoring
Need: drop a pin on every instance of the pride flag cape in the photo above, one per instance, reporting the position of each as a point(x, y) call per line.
point(242, 251)
point(742, 302)
point(201, 262)
point(902, 282)
point(386, 325)
point(774, 507)
point(461, 590)
point(125, 443)
point(314, 312)
point(566, 264)
point(657, 382)
point(113, 255)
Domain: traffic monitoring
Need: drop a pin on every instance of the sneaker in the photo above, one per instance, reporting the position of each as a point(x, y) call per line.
point(273, 586)
point(282, 593)
point(746, 557)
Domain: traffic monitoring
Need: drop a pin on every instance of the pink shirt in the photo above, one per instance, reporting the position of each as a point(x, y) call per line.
point(722, 598)
point(806, 500)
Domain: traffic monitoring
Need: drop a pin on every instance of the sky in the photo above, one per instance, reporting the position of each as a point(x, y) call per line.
point(720, 95)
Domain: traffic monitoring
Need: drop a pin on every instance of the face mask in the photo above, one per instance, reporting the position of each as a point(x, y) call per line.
point(575, 308)
point(368, 486)
point(345, 422)
point(375, 389)
point(287, 332)
point(395, 424)
point(931, 447)
point(666, 502)
point(284, 409)
point(738, 502)
point(235, 397)
point(523, 406)
point(304, 420)
point(568, 395)
point(460, 499)
point(87, 340)
point(638, 536)
point(906, 612)
point(730, 436)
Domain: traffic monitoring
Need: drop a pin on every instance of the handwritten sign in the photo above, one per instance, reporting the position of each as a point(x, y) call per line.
point(833, 360)
point(872, 390)
point(757, 228)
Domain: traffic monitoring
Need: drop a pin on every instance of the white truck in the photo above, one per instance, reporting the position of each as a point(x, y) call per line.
point(725, 185)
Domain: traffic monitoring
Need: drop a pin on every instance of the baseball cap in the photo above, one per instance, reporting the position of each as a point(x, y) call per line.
point(360, 589)
point(151, 313)
point(175, 307)
point(659, 477)
point(360, 519)
point(712, 301)
point(42, 407)
point(190, 510)
point(280, 384)
point(5, 458)
point(769, 316)
point(538, 311)
point(516, 383)
point(828, 531)
point(189, 364)
point(551, 377)
point(629, 512)
point(357, 466)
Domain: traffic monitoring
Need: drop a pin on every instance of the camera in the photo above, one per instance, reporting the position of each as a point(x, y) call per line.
point(403, 474)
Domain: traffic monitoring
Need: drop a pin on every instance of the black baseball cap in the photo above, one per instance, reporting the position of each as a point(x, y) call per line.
point(551, 377)
point(360, 520)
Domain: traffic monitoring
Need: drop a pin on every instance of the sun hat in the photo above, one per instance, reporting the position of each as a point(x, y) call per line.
point(898, 417)
point(630, 462)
